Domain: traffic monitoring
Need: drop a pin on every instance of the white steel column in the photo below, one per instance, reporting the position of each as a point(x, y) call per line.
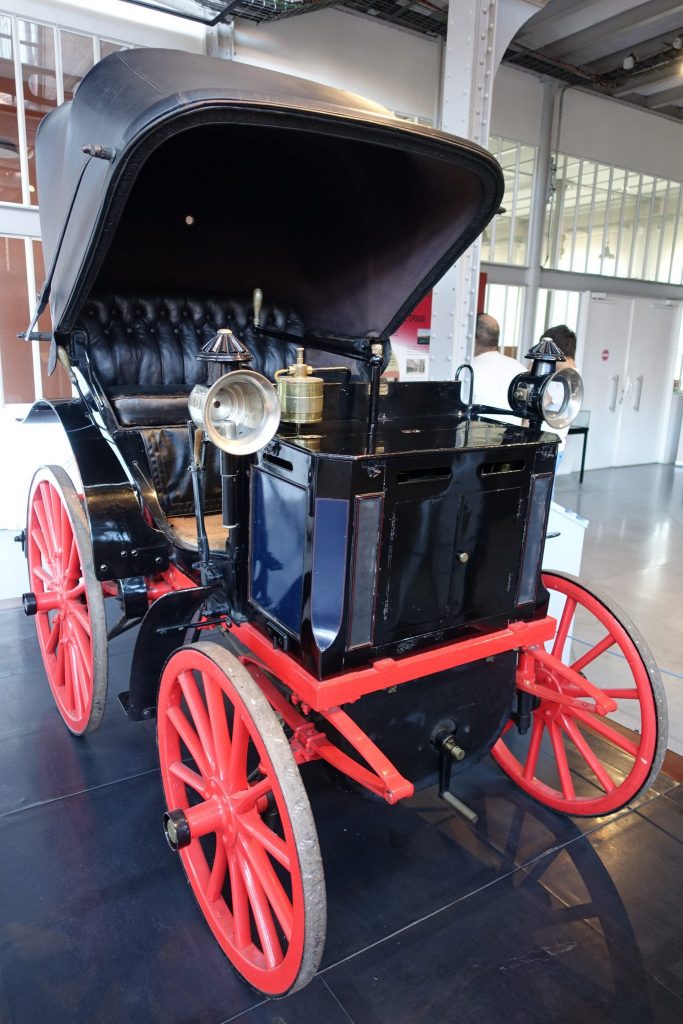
point(467, 83)
point(470, 63)
point(539, 200)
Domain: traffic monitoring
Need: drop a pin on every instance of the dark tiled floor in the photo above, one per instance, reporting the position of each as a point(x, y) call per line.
point(528, 916)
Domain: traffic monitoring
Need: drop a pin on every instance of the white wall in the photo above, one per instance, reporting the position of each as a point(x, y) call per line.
point(113, 19)
point(592, 126)
point(395, 68)
point(622, 135)
point(517, 106)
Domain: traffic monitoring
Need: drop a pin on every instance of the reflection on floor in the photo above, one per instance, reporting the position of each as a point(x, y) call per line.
point(633, 551)
point(525, 917)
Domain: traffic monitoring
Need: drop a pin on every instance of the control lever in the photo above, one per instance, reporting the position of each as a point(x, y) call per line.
point(258, 303)
point(449, 751)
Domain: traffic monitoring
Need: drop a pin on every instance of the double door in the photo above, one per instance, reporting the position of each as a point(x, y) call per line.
point(629, 350)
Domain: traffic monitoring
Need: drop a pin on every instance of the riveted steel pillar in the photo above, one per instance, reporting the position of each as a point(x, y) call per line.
point(478, 33)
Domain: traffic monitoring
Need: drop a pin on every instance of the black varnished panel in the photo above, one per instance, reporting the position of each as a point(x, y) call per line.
point(509, 952)
point(98, 924)
point(631, 871)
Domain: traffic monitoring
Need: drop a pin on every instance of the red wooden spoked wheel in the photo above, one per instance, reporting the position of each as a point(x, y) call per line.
point(70, 619)
point(240, 817)
point(573, 758)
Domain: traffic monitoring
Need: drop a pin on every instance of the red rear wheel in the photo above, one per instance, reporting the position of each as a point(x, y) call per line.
point(575, 758)
point(250, 850)
point(70, 620)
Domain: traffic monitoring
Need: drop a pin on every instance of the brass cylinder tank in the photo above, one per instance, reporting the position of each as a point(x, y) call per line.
point(300, 394)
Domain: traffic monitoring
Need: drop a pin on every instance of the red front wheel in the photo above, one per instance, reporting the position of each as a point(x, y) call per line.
point(240, 818)
point(69, 608)
point(587, 751)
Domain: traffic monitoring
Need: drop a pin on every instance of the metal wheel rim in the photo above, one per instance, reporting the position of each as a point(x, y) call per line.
point(646, 754)
point(285, 942)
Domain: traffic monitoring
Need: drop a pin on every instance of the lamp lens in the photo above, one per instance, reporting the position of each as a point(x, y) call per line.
point(562, 398)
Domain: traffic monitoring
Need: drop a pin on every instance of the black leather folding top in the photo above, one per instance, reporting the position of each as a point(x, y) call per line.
point(143, 351)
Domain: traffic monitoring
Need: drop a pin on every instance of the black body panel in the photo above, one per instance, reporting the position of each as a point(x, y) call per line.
point(356, 556)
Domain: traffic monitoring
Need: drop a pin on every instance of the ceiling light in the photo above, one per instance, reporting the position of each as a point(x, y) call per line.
point(629, 62)
point(677, 43)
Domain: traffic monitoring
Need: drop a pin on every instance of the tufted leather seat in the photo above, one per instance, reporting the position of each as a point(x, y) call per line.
point(143, 351)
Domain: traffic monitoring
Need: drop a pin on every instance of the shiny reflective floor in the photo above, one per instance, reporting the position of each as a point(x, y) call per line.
point(525, 917)
point(633, 551)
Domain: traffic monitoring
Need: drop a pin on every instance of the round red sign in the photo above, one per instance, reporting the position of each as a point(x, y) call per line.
point(605, 355)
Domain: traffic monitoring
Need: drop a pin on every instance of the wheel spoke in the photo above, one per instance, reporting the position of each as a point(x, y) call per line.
point(534, 747)
point(65, 536)
point(54, 511)
point(254, 825)
point(563, 628)
point(83, 677)
point(68, 698)
point(214, 889)
point(76, 680)
point(200, 717)
point(53, 638)
point(622, 694)
point(190, 778)
point(589, 755)
point(44, 575)
point(189, 737)
point(60, 673)
point(39, 541)
point(79, 612)
point(260, 908)
point(83, 640)
point(561, 759)
point(219, 724)
point(240, 902)
point(45, 504)
point(595, 652)
point(272, 886)
point(237, 769)
point(606, 731)
point(244, 799)
point(73, 565)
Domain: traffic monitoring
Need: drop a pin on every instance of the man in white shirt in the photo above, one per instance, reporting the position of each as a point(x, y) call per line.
point(493, 371)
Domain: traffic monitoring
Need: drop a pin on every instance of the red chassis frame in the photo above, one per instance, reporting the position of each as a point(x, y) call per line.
point(326, 695)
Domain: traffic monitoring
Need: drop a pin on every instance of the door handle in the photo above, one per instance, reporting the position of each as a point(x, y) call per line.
point(639, 392)
point(615, 389)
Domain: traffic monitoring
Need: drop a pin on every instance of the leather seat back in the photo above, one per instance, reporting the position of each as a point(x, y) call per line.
point(151, 344)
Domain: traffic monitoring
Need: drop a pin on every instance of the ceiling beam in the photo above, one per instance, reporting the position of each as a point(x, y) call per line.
point(560, 18)
point(669, 71)
point(665, 98)
point(627, 28)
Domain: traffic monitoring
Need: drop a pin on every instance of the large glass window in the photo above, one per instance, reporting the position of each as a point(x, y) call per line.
point(613, 221)
point(554, 308)
point(505, 303)
point(506, 239)
point(10, 156)
point(52, 62)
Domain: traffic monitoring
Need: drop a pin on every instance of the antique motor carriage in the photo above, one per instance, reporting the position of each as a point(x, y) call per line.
point(321, 564)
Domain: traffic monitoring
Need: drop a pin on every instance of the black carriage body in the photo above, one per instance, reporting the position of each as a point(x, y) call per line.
point(437, 534)
point(165, 214)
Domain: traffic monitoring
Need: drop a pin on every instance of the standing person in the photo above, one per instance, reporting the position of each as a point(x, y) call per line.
point(493, 371)
point(565, 339)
